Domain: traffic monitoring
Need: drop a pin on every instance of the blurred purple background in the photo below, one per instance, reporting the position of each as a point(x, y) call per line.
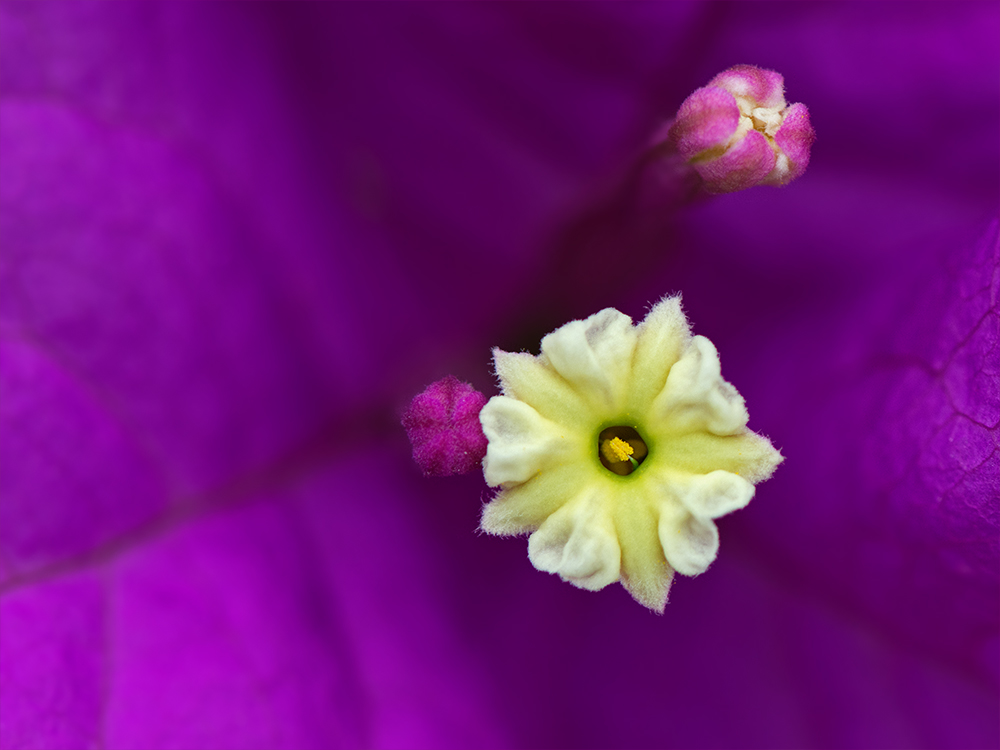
point(237, 239)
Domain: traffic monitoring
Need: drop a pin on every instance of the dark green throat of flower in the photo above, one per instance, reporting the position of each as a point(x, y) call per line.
point(621, 449)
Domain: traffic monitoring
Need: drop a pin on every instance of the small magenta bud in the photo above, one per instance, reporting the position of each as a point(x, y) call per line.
point(737, 131)
point(443, 426)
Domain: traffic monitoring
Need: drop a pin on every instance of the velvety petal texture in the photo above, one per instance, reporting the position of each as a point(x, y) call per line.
point(706, 121)
point(235, 239)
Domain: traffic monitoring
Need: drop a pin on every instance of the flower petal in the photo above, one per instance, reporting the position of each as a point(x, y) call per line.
point(750, 455)
point(524, 377)
point(662, 336)
point(711, 495)
point(690, 544)
point(523, 507)
point(697, 398)
point(521, 441)
point(645, 573)
point(579, 543)
point(595, 356)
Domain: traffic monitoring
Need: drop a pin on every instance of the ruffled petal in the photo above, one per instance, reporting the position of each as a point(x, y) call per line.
point(645, 572)
point(711, 495)
point(690, 544)
point(579, 543)
point(595, 356)
point(696, 397)
point(662, 337)
point(521, 441)
point(525, 377)
point(523, 507)
point(749, 455)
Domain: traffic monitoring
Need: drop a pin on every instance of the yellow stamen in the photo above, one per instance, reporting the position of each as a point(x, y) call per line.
point(616, 450)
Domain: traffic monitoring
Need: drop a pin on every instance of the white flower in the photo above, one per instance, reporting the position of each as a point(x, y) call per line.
point(616, 447)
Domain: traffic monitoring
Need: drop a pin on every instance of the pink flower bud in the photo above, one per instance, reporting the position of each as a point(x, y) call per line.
point(443, 426)
point(737, 131)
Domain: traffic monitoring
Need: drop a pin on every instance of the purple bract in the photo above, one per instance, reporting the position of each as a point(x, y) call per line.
point(235, 239)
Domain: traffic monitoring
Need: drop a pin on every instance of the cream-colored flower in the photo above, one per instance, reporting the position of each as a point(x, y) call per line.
point(616, 447)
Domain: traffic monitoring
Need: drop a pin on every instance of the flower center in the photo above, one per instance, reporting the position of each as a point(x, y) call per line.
point(621, 449)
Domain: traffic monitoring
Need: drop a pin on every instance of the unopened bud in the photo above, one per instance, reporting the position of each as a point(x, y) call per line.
point(444, 430)
point(737, 131)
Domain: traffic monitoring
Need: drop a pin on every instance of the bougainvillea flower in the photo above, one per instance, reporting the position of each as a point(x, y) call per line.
point(236, 239)
point(616, 448)
point(738, 131)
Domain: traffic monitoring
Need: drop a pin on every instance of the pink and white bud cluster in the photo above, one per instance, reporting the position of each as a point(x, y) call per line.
point(737, 131)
